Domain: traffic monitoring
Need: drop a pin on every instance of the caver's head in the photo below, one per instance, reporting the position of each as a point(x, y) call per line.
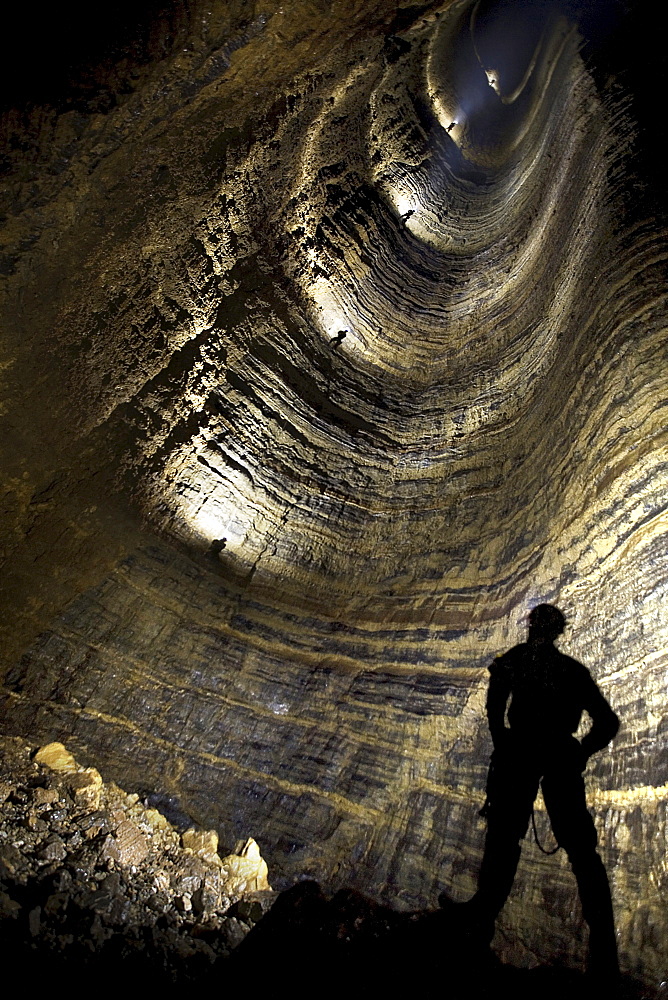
point(545, 623)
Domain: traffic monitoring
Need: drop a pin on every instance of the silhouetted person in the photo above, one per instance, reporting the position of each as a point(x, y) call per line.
point(217, 546)
point(545, 693)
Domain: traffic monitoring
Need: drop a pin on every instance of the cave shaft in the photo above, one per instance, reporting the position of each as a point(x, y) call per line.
point(334, 343)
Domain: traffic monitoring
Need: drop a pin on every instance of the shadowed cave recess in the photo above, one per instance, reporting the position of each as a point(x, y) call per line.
point(334, 342)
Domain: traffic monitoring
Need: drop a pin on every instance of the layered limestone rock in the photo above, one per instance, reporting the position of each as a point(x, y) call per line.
point(350, 322)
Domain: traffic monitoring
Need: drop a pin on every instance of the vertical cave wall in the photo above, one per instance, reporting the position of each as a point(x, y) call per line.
point(334, 344)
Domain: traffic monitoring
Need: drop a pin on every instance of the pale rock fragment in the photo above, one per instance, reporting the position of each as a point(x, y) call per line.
point(34, 920)
point(56, 757)
point(161, 881)
point(204, 842)
point(10, 860)
point(128, 846)
point(53, 850)
point(44, 796)
point(117, 816)
point(156, 820)
point(86, 788)
point(8, 906)
point(34, 822)
point(187, 884)
point(246, 871)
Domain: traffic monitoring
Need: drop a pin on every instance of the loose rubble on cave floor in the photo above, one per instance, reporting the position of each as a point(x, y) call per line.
point(86, 868)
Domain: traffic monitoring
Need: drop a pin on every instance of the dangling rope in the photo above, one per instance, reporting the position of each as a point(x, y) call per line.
point(535, 833)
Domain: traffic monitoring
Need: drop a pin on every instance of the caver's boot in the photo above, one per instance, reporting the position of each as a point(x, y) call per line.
point(602, 961)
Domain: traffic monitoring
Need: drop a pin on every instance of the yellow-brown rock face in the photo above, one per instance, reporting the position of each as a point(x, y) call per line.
point(332, 347)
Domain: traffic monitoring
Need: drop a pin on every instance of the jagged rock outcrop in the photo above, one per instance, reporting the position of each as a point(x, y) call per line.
point(351, 327)
point(89, 874)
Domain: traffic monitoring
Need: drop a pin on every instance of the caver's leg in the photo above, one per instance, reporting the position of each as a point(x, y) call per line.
point(564, 794)
point(512, 790)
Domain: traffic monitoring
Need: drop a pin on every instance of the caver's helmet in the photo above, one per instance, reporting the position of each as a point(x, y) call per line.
point(547, 619)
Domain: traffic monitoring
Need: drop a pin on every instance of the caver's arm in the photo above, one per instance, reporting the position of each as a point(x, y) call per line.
point(498, 693)
point(604, 721)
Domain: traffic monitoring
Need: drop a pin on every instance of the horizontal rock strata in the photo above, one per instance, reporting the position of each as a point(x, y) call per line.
point(352, 330)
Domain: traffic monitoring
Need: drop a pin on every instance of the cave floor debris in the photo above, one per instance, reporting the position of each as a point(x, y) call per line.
point(92, 881)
